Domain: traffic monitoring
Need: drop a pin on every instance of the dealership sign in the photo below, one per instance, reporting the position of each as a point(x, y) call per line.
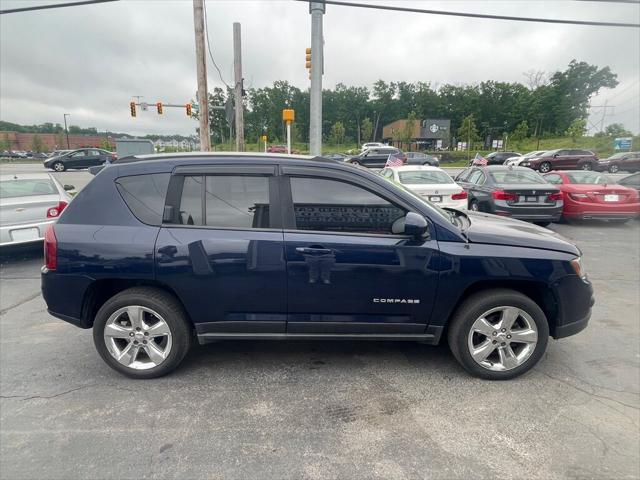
point(622, 143)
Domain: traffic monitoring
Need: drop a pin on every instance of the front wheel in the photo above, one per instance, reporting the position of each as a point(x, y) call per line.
point(587, 166)
point(498, 334)
point(59, 167)
point(545, 167)
point(142, 332)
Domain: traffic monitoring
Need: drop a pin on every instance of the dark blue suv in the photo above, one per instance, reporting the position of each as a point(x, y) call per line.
point(157, 251)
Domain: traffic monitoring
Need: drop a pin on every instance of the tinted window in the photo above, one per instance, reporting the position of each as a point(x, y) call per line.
point(145, 195)
point(517, 176)
point(631, 181)
point(27, 188)
point(229, 201)
point(475, 176)
point(589, 178)
point(329, 205)
point(424, 177)
point(95, 153)
point(80, 153)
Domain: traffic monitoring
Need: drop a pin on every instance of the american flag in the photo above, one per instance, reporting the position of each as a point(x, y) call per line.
point(479, 161)
point(394, 160)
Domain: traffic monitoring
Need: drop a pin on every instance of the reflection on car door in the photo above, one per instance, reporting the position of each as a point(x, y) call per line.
point(346, 271)
point(221, 248)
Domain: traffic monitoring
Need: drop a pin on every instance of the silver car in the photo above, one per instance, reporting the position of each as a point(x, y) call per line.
point(29, 203)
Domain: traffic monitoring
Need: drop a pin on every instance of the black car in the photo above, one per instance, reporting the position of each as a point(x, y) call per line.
point(82, 158)
point(498, 158)
point(419, 158)
point(623, 161)
point(210, 247)
point(516, 192)
point(631, 181)
point(374, 157)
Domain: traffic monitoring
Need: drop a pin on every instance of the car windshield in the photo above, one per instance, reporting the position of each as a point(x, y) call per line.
point(533, 154)
point(418, 177)
point(588, 178)
point(619, 155)
point(516, 176)
point(26, 188)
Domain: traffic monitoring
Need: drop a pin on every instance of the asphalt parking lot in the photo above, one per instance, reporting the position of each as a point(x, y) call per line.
point(325, 410)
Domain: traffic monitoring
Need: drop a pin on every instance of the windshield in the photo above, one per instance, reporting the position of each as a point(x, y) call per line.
point(588, 178)
point(619, 155)
point(516, 177)
point(26, 188)
point(418, 177)
point(538, 153)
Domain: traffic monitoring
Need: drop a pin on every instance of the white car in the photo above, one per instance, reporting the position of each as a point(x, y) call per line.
point(517, 161)
point(431, 183)
point(371, 145)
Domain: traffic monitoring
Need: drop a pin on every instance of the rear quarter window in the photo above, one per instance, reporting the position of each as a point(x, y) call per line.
point(145, 195)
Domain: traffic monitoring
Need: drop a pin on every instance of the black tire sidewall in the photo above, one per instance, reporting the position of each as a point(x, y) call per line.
point(472, 308)
point(472, 203)
point(167, 307)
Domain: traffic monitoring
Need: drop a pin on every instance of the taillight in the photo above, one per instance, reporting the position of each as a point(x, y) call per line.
point(50, 248)
point(459, 196)
point(54, 212)
point(579, 196)
point(502, 195)
point(554, 197)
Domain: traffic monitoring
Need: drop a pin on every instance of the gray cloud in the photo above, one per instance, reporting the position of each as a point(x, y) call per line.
point(89, 61)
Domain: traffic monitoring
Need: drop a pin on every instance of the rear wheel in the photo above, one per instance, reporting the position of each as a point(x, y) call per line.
point(59, 167)
point(614, 168)
point(142, 332)
point(587, 166)
point(545, 167)
point(498, 334)
point(474, 206)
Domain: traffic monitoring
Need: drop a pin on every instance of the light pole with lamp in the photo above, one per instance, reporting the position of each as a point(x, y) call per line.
point(65, 128)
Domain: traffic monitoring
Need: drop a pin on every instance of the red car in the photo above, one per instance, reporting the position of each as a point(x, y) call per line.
point(590, 195)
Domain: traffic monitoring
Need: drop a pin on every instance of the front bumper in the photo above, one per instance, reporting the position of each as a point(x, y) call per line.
point(576, 298)
point(23, 234)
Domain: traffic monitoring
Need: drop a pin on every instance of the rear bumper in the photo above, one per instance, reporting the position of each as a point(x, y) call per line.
point(544, 214)
point(11, 235)
point(64, 296)
point(601, 211)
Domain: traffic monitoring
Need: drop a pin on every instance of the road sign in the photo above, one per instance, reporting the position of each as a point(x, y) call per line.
point(622, 143)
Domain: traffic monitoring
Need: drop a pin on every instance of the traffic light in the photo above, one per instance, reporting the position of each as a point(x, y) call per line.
point(308, 59)
point(188, 106)
point(132, 106)
point(159, 107)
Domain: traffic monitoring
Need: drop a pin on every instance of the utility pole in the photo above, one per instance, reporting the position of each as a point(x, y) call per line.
point(66, 130)
point(316, 9)
point(237, 70)
point(201, 64)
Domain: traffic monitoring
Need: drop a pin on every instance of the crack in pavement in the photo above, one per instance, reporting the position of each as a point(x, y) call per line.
point(32, 397)
point(28, 299)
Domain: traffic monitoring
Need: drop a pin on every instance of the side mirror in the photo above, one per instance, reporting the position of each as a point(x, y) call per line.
point(414, 225)
point(68, 187)
point(555, 155)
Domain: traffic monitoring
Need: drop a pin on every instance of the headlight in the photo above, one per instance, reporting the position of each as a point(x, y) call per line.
point(576, 264)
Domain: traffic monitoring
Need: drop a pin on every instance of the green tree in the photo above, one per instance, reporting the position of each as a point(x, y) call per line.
point(406, 135)
point(521, 131)
point(337, 133)
point(617, 130)
point(467, 132)
point(36, 144)
point(577, 129)
point(104, 144)
point(367, 130)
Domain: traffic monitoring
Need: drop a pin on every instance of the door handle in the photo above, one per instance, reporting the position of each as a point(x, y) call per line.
point(313, 250)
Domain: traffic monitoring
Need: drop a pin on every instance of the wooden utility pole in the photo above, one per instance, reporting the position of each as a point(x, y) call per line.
point(237, 70)
point(201, 64)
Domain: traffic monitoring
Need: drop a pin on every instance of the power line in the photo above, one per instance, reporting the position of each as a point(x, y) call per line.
point(476, 15)
point(206, 31)
point(56, 5)
point(625, 89)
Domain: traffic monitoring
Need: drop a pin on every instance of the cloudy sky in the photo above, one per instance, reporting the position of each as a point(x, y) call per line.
point(89, 61)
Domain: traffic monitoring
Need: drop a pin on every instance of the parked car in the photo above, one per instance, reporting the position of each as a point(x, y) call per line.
point(336, 156)
point(375, 157)
point(516, 192)
point(431, 183)
point(29, 203)
point(589, 195)
point(82, 158)
point(368, 145)
point(57, 153)
point(321, 249)
point(497, 158)
point(13, 154)
point(279, 149)
point(419, 158)
point(523, 160)
point(564, 159)
point(631, 181)
point(623, 161)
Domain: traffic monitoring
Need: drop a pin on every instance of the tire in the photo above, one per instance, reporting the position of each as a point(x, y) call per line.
point(487, 305)
point(155, 303)
point(542, 224)
point(586, 166)
point(474, 206)
point(614, 168)
point(58, 167)
point(545, 167)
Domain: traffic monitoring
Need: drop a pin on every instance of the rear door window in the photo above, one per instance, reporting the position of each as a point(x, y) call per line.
point(145, 195)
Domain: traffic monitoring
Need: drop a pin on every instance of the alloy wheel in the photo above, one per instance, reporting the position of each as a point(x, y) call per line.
point(586, 166)
point(545, 167)
point(137, 337)
point(614, 169)
point(502, 338)
point(58, 167)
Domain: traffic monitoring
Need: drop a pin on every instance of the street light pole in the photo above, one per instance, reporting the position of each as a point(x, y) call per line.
point(317, 66)
point(66, 130)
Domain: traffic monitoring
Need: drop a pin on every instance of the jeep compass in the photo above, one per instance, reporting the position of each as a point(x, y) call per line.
point(155, 254)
